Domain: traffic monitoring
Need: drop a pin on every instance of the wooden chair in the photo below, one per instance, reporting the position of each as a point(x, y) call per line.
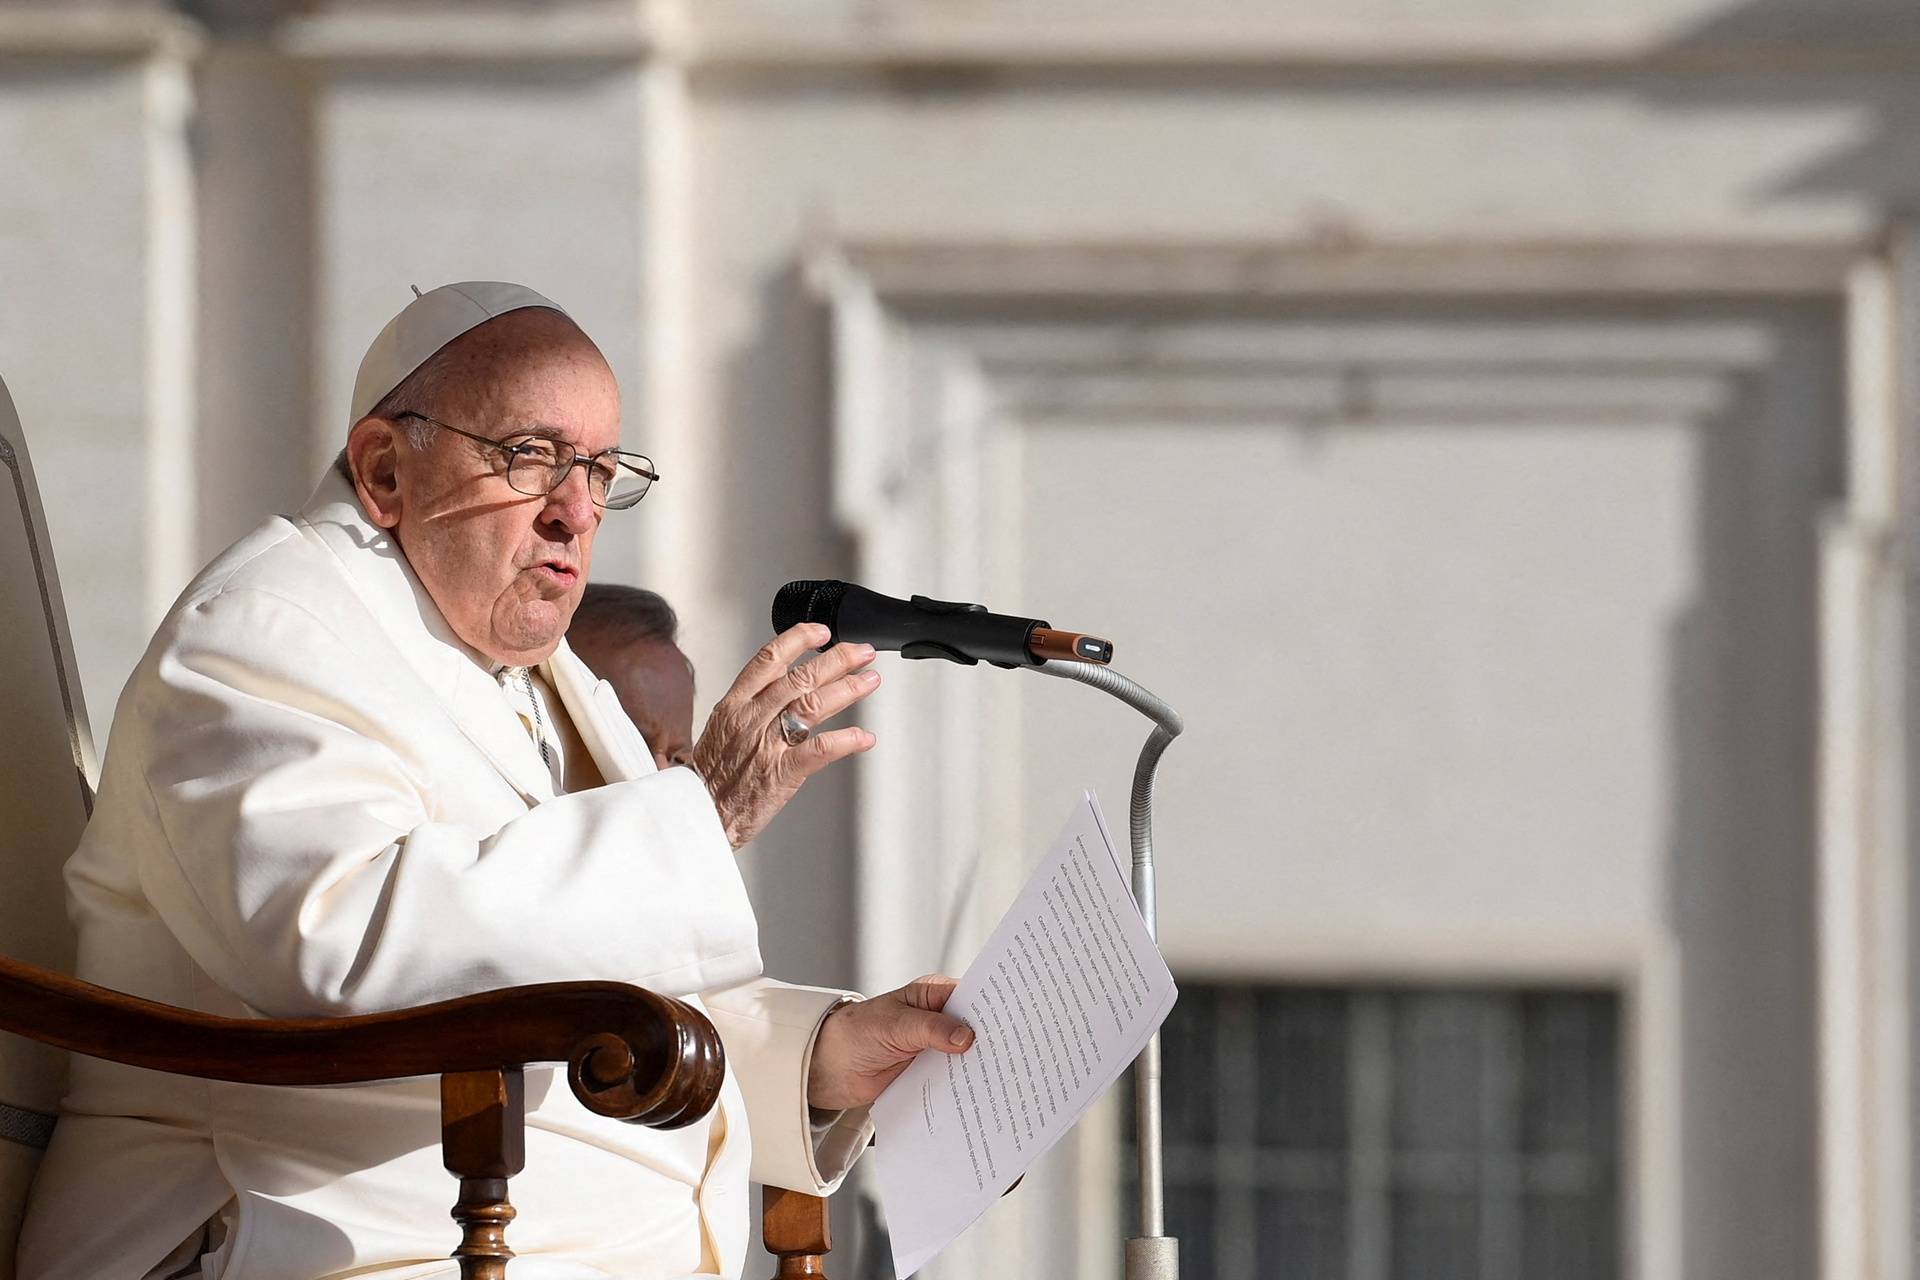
point(795, 1228)
point(630, 1053)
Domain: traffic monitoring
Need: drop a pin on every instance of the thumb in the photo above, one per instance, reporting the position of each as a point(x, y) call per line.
point(927, 1029)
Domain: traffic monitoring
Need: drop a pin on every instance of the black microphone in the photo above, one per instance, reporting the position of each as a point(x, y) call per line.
point(924, 628)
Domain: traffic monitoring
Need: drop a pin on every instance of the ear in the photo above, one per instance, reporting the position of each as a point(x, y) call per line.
point(373, 453)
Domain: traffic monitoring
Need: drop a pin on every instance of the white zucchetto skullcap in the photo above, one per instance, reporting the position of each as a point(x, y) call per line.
point(428, 323)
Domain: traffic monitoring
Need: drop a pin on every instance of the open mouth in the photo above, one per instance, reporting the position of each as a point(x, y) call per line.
point(554, 571)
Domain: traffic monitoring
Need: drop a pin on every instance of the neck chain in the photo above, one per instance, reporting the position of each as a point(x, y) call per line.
point(539, 723)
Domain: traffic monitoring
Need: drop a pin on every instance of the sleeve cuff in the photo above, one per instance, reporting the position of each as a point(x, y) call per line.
point(769, 1029)
point(839, 1137)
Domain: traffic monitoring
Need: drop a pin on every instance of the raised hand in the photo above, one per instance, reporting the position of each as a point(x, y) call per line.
point(750, 765)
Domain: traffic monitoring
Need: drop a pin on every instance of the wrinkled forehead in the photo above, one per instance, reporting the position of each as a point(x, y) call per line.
point(534, 372)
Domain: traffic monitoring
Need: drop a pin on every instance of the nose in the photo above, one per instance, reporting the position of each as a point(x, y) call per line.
point(570, 504)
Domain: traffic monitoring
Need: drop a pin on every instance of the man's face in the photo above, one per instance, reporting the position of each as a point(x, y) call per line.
point(655, 684)
point(506, 569)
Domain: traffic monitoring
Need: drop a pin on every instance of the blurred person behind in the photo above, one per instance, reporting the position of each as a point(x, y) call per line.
point(629, 637)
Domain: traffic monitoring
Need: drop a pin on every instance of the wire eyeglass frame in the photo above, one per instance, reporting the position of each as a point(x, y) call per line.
point(526, 468)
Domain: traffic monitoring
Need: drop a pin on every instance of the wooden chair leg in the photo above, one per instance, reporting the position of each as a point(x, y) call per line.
point(796, 1231)
point(483, 1139)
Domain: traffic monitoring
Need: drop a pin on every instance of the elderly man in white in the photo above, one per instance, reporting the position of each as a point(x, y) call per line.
point(358, 769)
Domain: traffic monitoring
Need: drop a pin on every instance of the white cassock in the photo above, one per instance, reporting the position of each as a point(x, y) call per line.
point(317, 802)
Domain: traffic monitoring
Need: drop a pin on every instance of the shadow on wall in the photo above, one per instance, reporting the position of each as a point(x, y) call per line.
point(1743, 693)
point(777, 519)
point(1843, 53)
point(1744, 657)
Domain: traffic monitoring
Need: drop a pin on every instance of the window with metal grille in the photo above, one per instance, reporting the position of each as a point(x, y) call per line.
point(1414, 1134)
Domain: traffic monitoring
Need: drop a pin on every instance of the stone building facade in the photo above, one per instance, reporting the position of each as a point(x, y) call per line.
point(1490, 421)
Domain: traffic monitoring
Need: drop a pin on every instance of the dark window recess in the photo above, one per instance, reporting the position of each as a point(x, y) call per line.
point(1411, 1134)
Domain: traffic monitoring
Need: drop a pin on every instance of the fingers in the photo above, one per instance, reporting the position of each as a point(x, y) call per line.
point(830, 700)
point(822, 749)
point(750, 766)
point(774, 657)
point(817, 690)
point(929, 991)
point(823, 688)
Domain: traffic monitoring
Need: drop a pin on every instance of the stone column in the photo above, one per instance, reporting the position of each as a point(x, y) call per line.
point(97, 334)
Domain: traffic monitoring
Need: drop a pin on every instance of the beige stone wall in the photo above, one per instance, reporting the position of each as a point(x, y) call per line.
point(1479, 376)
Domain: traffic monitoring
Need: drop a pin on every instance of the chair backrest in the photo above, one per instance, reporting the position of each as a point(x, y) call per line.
point(47, 776)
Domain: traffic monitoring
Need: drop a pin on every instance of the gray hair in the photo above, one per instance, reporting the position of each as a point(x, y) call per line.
point(418, 392)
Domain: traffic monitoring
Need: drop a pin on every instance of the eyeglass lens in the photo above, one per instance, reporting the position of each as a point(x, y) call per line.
point(541, 466)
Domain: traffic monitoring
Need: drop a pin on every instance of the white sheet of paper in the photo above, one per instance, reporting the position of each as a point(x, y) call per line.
point(1065, 994)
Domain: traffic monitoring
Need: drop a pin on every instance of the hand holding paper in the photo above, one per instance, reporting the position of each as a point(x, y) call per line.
point(864, 1046)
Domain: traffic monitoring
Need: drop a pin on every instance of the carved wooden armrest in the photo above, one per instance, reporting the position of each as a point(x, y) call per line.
point(630, 1054)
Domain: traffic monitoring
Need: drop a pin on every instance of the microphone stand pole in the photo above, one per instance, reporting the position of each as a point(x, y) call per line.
point(1153, 1254)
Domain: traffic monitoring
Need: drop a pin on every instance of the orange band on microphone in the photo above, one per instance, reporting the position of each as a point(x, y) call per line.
point(1068, 646)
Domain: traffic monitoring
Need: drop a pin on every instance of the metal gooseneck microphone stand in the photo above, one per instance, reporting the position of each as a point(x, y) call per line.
point(967, 633)
point(1153, 1254)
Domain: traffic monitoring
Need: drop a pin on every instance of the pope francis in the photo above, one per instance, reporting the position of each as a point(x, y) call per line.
point(358, 769)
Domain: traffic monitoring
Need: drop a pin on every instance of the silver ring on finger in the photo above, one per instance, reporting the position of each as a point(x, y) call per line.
point(793, 730)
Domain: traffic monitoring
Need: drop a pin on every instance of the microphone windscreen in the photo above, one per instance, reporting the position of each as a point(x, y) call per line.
point(807, 601)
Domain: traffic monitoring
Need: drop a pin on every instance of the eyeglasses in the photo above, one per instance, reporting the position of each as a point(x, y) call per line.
point(536, 466)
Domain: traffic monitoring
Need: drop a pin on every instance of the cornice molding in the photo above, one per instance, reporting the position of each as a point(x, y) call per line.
point(742, 37)
point(1064, 330)
point(732, 40)
point(736, 40)
point(498, 37)
point(108, 35)
point(903, 273)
